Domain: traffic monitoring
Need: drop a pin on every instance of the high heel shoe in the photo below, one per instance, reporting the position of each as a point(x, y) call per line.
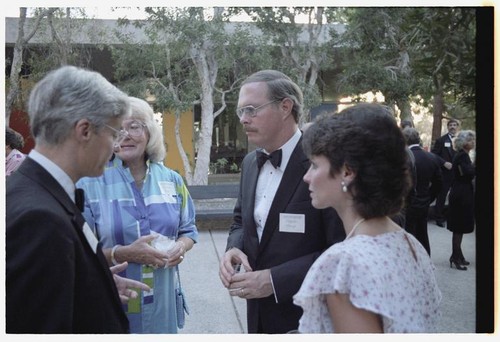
point(464, 262)
point(457, 264)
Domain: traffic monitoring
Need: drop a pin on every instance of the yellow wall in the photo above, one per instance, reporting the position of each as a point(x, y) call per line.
point(173, 159)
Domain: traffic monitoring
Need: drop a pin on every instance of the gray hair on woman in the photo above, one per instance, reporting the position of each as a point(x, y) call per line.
point(141, 110)
point(68, 95)
point(280, 86)
point(463, 138)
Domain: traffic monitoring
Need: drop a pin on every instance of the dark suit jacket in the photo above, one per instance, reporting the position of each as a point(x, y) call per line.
point(429, 180)
point(55, 283)
point(288, 255)
point(445, 152)
point(443, 147)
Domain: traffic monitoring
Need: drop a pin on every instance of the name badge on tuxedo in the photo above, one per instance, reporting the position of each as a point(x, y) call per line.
point(89, 235)
point(292, 223)
point(447, 144)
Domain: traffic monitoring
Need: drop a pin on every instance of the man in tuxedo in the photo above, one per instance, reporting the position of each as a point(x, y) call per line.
point(428, 182)
point(276, 233)
point(443, 148)
point(57, 278)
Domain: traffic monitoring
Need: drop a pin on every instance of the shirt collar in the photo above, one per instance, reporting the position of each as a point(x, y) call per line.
point(55, 171)
point(288, 148)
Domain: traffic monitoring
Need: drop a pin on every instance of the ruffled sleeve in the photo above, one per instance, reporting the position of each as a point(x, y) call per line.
point(380, 275)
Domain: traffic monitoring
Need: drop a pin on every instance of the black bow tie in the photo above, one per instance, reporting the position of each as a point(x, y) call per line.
point(79, 198)
point(274, 157)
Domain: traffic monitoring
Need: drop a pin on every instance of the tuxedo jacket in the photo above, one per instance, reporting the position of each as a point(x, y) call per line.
point(288, 255)
point(443, 147)
point(55, 281)
point(429, 179)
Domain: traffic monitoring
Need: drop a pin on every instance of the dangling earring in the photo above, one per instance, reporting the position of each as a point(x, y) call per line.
point(344, 187)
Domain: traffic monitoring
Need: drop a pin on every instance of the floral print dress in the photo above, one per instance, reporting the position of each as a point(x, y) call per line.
point(390, 274)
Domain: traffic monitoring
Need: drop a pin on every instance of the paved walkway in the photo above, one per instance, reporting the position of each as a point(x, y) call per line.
point(213, 311)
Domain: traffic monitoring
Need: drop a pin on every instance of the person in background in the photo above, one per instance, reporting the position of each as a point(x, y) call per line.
point(461, 199)
point(400, 217)
point(276, 234)
point(428, 183)
point(136, 203)
point(57, 278)
point(406, 123)
point(380, 278)
point(14, 142)
point(443, 148)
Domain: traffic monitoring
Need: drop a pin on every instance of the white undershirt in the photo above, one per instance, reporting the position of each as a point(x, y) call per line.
point(268, 182)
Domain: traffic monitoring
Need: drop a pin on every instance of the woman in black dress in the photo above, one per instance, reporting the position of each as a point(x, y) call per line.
point(461, 198)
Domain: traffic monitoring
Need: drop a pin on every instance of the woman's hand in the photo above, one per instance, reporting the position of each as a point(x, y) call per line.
point(175, 255)
point(141, 252)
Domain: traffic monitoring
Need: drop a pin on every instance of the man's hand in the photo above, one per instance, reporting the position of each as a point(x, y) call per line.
point(229, 260)
point(249, 285)
point(125, 285)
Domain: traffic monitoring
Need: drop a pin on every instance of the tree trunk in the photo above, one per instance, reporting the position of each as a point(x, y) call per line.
point(188, 173)
point(405, 108)
point(207, 69)
point(17, 59)
point(437, 114)
point(17, 62)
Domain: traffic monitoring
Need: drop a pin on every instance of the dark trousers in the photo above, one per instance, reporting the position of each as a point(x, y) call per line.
point(416, 224)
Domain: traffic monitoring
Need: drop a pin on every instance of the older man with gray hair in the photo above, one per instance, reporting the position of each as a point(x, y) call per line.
point(57, 278)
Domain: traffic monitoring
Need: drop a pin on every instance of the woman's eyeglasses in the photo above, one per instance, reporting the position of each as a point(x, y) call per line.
point(130, 129)
point(118, 135)
point(134, 128)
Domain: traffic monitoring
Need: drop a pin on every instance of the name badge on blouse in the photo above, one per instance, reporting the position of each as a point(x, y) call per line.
point(447, 144)
point(168, 192)
point(89, 235)
point(292, 223)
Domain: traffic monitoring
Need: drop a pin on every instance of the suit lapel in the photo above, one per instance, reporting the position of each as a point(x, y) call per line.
point(292, 177)
point(38, 174)
point(248, 204)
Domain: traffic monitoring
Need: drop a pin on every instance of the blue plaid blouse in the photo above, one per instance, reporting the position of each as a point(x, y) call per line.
point(120, 213)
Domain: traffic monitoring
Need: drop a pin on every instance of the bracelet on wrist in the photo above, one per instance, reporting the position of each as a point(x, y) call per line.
point(113, 250)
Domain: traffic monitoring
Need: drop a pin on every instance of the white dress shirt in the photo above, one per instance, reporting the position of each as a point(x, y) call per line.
point(268, 182)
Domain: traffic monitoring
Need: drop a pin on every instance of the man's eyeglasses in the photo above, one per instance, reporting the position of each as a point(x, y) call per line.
point(251, 111)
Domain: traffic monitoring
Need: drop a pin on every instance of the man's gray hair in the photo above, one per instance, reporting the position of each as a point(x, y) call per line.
point(68, 94)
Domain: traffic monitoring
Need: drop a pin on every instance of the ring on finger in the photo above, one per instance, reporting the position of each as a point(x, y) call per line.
point(242, 293)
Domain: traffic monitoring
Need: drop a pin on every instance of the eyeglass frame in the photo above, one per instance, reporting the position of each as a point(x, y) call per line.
point(118, 135)
point(140, 123)
point(254, 110)
point(123, 133)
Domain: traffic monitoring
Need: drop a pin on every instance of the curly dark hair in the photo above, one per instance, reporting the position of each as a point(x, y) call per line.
point(366, 139)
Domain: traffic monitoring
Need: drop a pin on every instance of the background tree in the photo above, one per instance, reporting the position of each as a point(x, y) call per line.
point(424, 55)
point(377, 56)
point(189, 58)
point(304, 48)
point(56, 32)
point(14, 85)
point(445, 39)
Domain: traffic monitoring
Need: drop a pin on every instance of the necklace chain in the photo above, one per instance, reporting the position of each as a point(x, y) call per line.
point(356, 225)
point(140, 180)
